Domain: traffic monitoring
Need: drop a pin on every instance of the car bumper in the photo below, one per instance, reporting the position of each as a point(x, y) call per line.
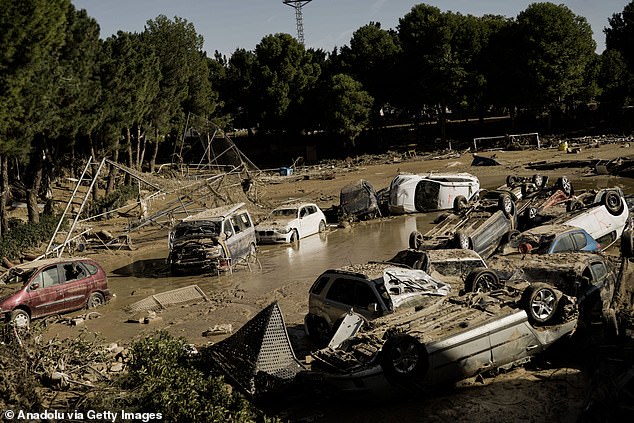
point(274, 238)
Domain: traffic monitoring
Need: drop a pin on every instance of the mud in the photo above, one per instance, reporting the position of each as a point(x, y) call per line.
point(533, 393)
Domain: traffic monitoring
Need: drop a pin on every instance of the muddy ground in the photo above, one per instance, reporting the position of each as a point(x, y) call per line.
point(550, 389)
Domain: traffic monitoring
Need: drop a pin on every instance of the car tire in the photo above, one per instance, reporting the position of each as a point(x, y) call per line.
point(481, 280)
point(96, 299)
point(322, 226)
point(573, 205)
point(294, 237)
point(20, 318)
point(460, 203)
point(540, 302)
point(627, 244)
point(538, 180)
point(415, 240)
point(530, 214)
point(511, 181)
point(505, 203)
point(612, 202)
point(462, 240)
point(564, 184)
point(404, 360)
point(316, 328)
point(511, 238)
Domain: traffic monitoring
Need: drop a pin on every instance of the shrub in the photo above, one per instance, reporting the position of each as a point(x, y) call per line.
point(23, 236)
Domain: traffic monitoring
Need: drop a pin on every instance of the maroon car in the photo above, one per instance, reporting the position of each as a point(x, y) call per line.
point(51, 286)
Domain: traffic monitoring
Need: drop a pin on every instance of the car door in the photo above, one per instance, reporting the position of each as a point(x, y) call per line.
point(77, 285)
point(309, 221)
point(46, 295)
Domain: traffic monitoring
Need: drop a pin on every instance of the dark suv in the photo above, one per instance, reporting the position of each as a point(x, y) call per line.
point(371, 290)
point(51, 286)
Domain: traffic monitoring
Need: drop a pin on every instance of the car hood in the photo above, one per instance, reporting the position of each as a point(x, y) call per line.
point(8, 290)
point(278, 222)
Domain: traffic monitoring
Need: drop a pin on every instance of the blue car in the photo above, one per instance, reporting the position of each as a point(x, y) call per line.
point(548, 239)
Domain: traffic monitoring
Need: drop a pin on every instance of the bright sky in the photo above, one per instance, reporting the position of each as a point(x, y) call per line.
point(230, 24)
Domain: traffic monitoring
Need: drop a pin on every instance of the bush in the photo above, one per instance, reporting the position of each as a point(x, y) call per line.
point(23, 236)
point(114, 200)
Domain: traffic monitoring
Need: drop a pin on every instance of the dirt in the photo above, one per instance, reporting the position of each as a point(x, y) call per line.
point(533, 393)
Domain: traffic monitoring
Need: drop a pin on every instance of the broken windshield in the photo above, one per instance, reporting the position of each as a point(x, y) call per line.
point(284, 213)
point(197, 229)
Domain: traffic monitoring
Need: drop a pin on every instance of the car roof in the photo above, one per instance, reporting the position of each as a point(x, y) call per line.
point(293, 205)
point(367, 270)
point(36, 264)
point(442, 177)
point(217, 213)
point(552, 229)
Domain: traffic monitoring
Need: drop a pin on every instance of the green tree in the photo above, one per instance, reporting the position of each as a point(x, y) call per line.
point(620, 34)
point(554, 47)
point(284, 73)
point(371, 59)
point(346, 108)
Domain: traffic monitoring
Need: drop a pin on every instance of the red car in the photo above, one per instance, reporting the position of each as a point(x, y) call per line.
point(51, 286)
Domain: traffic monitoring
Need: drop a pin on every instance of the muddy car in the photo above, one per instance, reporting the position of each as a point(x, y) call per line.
point(436, 191)
point(372, 290)
point(480, 225)
point(548, 239)
point(551, 285)
point(51, 286)
point(448, 262)
point(212, 241)
point(289, 223)
point(424, 348)
point(359, 201)
point(603, 214)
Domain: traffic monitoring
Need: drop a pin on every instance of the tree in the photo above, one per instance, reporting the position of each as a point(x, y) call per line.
point(620, 34)
point(346, 108)
point(554, 46)
point(33, 33)
point(284, 73)
point(371, 59)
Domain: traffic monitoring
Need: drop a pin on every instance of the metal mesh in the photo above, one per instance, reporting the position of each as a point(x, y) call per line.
point(188, 294)
point(259, 357)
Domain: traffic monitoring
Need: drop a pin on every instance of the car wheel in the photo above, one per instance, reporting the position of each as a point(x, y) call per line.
point(511, 181)
point(505, 203)
point(462, 240)
point(482, 280)
point(541, 302)
point(538, 180)
point(20, 318)
point(415, 240)
point(612, 202)
point(294, 236)
point(530, 214)
point(322, 226)
point(404, 360)
point(460, 203)
point(573, 205)
point(316, 328)
point(511, 238)
point(564, 184)
point(627, 244)
point(96, 299)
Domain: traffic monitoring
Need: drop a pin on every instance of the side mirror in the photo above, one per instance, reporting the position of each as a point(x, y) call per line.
point(228, 234)
point(34, 286)
point(373, 307)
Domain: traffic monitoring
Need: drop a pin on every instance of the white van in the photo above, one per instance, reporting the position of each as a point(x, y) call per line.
point(421, 193)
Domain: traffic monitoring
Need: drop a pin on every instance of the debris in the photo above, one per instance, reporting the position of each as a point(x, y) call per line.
point(484, 161)
point(222, 329)
point(188, 294)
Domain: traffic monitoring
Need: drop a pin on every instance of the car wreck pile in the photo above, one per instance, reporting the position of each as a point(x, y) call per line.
point(502, 276)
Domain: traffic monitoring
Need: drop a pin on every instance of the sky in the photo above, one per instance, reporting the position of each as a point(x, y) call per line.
point(227, 25)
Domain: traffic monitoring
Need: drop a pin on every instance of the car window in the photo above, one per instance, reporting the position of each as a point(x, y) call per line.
point(364, 295)
point(73, 272)
point(245, 222)
point(342, 291)
point(599, 271)
point(319, 285)
point(564, 243)
point(227, 226)
point(49, 277)
point(303, 212)
point(580, 240)
point(91, 268)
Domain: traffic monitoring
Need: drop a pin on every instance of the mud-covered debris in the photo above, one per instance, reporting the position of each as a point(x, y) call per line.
point(222, 329)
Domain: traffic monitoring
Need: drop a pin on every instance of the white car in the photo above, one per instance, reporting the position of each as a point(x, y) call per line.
point(439, 191)
point(289, 223)
point(603, 214)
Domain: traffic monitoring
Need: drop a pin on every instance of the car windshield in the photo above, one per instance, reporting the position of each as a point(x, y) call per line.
point(16, 275)
point(197, 228)
point(284, 213)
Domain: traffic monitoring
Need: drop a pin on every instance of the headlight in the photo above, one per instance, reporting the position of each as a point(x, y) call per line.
point(283, 231)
